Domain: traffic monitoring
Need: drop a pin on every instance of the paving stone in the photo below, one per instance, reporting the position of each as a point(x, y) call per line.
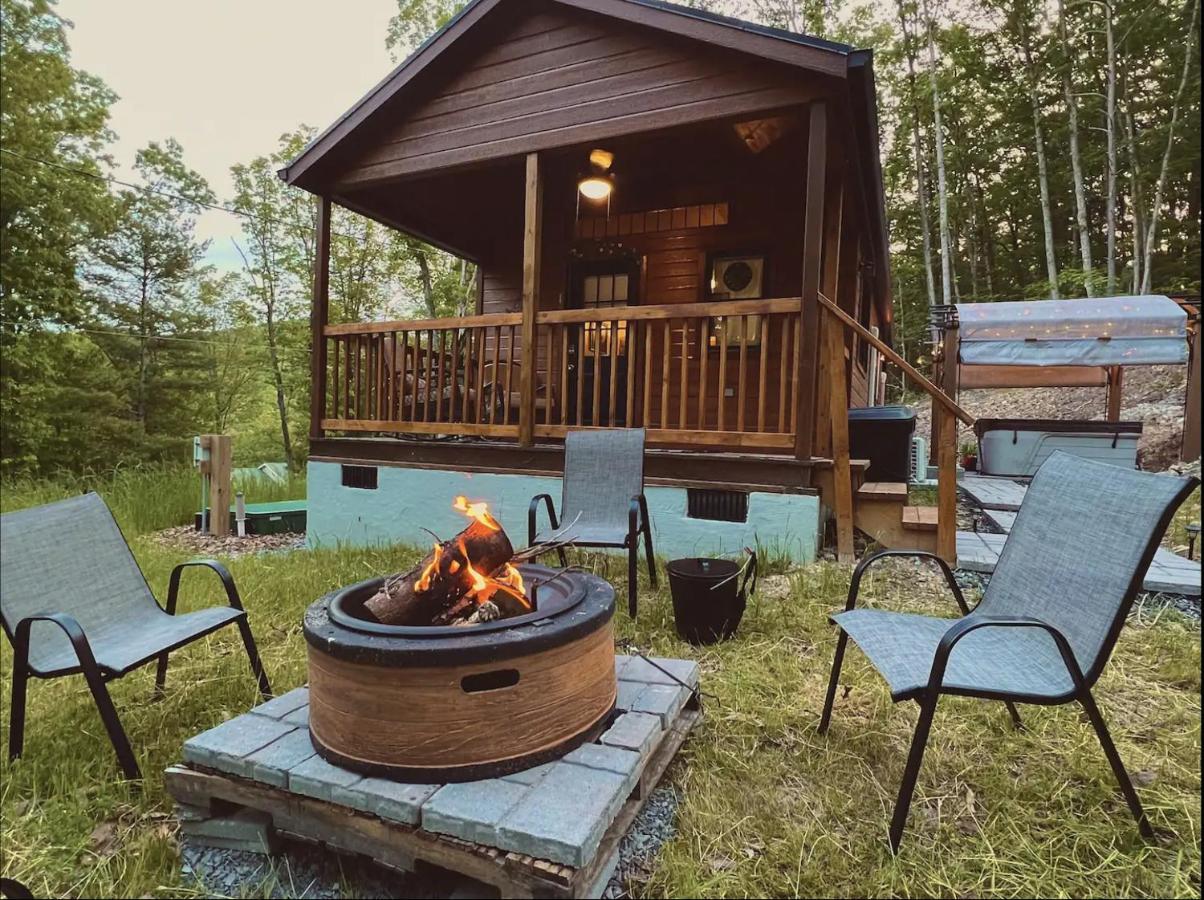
point(564, 817)
point(472, 810)
point(605, 874)
point(639, 669)
point(634, 731)
point(621, 662)
point(628, 763)
point(392, 800)
point(271, 764)
point(529, 776)
point(226, 746)
point(298, 717)
point(662, 700)
point(279, 707)
point(247, 829)
point(628, 692)
point(187, 812)
point(317, 778)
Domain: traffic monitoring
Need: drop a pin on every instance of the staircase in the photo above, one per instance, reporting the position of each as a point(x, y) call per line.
point(881, 510)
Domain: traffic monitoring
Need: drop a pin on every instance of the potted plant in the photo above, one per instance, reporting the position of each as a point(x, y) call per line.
point(969, 454)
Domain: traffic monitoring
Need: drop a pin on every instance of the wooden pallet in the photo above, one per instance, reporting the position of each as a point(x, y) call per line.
point(399, 846)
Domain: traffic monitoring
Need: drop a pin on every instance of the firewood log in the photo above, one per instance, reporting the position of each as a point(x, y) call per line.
point(412, 599)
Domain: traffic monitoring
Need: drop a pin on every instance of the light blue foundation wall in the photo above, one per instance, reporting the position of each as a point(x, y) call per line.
point(408, 500)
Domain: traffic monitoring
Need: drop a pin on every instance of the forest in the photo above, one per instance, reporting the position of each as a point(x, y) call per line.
point(1036, 148)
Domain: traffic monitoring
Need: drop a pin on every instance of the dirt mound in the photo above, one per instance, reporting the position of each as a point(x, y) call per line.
point(1153, 395)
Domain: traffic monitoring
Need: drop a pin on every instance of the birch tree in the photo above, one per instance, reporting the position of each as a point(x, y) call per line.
point(1023, 27)
point(918, 153)
point(939, 140)
point(1076, 160)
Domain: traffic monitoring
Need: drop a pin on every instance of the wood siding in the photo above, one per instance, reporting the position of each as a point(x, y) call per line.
point(557, 76)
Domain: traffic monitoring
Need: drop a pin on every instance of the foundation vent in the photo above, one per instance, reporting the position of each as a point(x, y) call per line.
point(363, 477)
point(719, 506)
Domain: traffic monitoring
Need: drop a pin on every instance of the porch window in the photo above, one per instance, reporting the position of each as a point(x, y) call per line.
point(734, 327)
point(602, 292)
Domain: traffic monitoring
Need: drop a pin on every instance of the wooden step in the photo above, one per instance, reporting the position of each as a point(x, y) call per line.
point(883, 491)
point(920, 518)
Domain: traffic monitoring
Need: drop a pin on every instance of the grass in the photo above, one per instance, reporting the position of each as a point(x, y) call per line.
point(770, 808)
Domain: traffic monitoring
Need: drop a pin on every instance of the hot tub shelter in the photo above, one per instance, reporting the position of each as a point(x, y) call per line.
point(1072, 343)
point(678, 224)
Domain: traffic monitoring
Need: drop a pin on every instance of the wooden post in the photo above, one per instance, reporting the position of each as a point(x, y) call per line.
point(842, 477)
point(813, 229)
point(1191, 411)
point(220, 470)
point(532, 237)
point(1116, 376)
point(946, 523)
point(319, 314)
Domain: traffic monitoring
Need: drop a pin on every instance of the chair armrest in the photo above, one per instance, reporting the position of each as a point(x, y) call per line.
point(70, 626)
point(637, 514)
point(855, 584)
point(173, 586)
point(533, 510)
point(962, 627)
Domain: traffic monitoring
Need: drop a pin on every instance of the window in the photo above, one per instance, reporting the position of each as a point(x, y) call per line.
point(602, 292)
point(362, 477)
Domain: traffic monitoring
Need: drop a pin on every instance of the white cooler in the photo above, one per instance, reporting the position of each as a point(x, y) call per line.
point(1017, 447)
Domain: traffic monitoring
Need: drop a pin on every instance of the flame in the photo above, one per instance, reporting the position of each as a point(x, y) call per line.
point(478, 511)
point(512, 578)
point(428, 574)
point(479, 581)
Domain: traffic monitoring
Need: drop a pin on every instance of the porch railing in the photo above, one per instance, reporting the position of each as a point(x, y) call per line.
point(719, 374)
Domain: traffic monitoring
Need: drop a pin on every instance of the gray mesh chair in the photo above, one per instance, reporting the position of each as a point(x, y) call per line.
point(1066, 578)
point(602, 500)
point(73, 600)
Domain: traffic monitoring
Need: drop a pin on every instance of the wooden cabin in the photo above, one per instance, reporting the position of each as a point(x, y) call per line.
point(667, 209)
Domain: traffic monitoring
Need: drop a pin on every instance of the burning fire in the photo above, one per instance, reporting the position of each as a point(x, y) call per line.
point(478, 511)
point(428, 574)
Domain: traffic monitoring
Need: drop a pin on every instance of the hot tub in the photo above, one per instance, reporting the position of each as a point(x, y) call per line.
point(1017, 447)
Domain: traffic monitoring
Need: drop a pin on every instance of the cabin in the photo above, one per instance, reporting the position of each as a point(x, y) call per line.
point(677, 223)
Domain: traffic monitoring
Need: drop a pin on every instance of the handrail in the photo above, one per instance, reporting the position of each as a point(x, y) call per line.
point(668, 311)
point(908, 369)
point(484, 321)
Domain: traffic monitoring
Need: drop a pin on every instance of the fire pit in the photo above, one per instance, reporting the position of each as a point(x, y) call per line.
point(458, 702)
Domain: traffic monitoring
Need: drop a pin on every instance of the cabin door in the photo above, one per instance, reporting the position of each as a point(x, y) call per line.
point(599, 352)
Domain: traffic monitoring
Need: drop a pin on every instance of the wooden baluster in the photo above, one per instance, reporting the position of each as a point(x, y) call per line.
point(794, 379)
point(378, 345)
point(631, 331)
point(666, 358)
point(684, 375)
point(762, 383)
point(430, 376)
point(442, 363)
point(564, 373)
point(495, 379)
point(582, 349)
point(723, 373)
point(509, 372)
point(359, 378)
point(595, 417)
point(784, 367)
point(741, 377)
point(479, 386)
point(415, 371)
point(649, 342)
point(704, 358)
point(466, 349)
point(334, 380)
point(399, 367)
point(613, 337)
point(347, 377)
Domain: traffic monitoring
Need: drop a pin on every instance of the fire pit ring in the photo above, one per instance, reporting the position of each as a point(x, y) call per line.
point(435, 704)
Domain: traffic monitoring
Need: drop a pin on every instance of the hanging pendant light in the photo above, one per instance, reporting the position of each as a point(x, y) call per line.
point(598, 184)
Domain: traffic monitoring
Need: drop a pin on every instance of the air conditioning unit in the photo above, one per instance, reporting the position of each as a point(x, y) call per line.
point(918, 462)
point(737, 277)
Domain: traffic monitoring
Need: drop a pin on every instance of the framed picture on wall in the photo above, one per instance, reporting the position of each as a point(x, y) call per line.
point(735, 276)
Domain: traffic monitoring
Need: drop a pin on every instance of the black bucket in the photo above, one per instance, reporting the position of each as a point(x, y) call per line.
point(709, 596)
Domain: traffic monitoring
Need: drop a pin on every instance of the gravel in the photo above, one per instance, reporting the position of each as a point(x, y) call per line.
point(185, 537)
point(313, 873)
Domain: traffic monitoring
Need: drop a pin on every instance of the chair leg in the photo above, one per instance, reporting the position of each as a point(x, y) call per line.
point(1017, 722)
point(1118, 767)
point(649, 553)
point(833, 682)
point(16, 717)
point(633, 560)
point(160, 676)
point(248, 640)
point(564, 560)
point(108, 715)
point(915, 756)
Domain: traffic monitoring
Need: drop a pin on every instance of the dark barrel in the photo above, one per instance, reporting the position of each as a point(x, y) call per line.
point(709, 597)
point(882, 434)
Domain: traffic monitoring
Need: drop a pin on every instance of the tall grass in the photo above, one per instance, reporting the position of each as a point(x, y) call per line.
point(143, 498)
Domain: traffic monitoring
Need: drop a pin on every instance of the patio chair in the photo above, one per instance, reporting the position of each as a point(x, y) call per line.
point(73, 600)
point(602, 501)
point(1048, 620)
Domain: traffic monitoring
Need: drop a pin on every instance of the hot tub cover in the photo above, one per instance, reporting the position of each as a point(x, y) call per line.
point(1110, 331)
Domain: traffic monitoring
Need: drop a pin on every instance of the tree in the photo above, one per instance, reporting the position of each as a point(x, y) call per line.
point(231, 353)
point(1076, 160)
point(417, 20)
point(917, 145)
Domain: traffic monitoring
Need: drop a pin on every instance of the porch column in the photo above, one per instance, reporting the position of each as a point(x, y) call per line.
point(1116, 382)
point(1191, 412)
point(319, 314)
point(813, 227)
point(946, 431)
point(532, 238)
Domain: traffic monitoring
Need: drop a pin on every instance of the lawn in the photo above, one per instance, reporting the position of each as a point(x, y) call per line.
point(770, 808)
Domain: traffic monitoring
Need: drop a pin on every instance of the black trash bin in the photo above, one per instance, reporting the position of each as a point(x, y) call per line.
point(709, 596)
point(882, 434)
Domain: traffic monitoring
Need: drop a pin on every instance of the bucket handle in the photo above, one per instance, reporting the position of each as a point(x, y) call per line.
point(750, 572)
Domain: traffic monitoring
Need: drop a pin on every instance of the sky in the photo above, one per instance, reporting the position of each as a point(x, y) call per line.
point(226, 78)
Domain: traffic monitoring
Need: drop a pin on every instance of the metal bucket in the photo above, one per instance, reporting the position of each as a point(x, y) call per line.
point(709, 596)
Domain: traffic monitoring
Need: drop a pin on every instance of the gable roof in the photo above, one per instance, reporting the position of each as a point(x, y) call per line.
point(804, 51)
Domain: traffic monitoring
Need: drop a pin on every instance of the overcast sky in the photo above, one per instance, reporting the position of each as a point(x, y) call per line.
point(227, 77)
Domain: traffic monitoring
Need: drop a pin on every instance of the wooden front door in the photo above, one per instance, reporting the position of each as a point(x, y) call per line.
point(599, 352)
